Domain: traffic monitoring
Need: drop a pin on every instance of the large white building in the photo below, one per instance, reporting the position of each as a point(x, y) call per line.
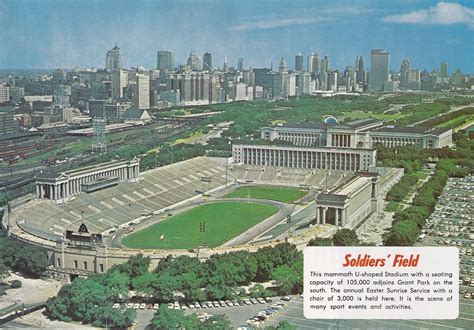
point(61, 186)
point(361, 133)
point(342, 159)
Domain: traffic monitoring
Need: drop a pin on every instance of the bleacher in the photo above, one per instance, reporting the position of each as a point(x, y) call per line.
point(157, 189)
point(104, 209)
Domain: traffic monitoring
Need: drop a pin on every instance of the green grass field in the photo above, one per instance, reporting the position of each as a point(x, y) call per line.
point(280, 194)
point(224, 220)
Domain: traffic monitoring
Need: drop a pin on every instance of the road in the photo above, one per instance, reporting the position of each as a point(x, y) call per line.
point(293, 313)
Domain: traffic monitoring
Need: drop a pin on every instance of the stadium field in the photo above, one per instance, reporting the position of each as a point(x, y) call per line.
point(280, 194)
point(223, 221)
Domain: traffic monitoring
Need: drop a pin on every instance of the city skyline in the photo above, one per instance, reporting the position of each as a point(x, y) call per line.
point(426, 33)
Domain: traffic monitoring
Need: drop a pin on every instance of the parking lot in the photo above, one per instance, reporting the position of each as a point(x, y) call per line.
point(451, 224)
point(243, 312)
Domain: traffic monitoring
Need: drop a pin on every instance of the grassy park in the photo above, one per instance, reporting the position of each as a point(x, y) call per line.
point(279, 194)
point(223, 221)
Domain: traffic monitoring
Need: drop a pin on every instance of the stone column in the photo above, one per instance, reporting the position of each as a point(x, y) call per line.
point(37, 191)
point(50, 191)
point(318, 215)
point(336, 218)
point(67, 189)
point(325, 210)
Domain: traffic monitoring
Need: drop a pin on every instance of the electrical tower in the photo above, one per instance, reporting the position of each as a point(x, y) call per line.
point(98, 140)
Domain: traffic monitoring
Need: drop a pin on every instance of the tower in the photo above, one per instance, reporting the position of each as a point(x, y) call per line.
point(99, 126)
point(282, 67)
point(113, 59)
point(240, 64)
point(164, 60)
point(225, 63)
point(207, 62)
point(299, 62)
point(379, 64)
point(404, 73)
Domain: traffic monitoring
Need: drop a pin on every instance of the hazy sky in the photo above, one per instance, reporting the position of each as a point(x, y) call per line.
point(53, 33)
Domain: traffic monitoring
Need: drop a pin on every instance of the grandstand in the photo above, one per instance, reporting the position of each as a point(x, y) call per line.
point(156, 191)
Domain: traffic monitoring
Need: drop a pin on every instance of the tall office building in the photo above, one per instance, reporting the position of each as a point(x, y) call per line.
point(379, 69)
point(226, 67)
point(165, 60)
point(113, 59)
point(299, 62)
point(194, 62)
point(324, 65)
point(313, 63)
point(405, 73)
point(207, 62)
point(359, 68)
point(443, 70)
point(141, 91)
point(282, 67)
point(119, 82)
point(240, 64)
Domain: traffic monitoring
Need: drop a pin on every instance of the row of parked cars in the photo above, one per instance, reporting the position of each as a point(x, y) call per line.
point(267, 313)
point(136, 306)
point(452, 224)
point(219, 304)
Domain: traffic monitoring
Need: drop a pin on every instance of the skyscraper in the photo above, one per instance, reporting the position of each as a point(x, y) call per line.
point(141, 91)
point(404, 73)
point(207, 62)
point(314, 63)
point(119, 82)
point(240, 64)
point(226, 67)
point(113, 59)
point(379, 65)
point(299, 62)
point(359, 68)
point(324, 64)
point(443, 70)
point(194, 62)
point(282, 67)
point(165, 60)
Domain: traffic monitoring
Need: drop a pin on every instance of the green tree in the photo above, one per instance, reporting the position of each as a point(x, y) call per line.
point(289, 278)
point(146, 284)
point(345, 237)
point(402, 233)
point(166, 318)
point(318, 241)
point(135, 266)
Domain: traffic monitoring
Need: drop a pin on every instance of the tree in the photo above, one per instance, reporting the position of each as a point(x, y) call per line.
point(165, 286)
point(135, 266)
point(345, 237)
point(289, 278)
point(166, 318)
point(318, 241)
point(402, 233)
point(217, 322)
point(22, 257)
point(146, 283)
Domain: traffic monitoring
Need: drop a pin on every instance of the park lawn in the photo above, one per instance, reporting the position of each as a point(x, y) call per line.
point(280, 194)
point(357, 114)
point(458, 121)
point(223, 221)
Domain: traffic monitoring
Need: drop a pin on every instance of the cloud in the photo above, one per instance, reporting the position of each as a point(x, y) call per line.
point(294, 17)
point(275, 23)
point(444, 13)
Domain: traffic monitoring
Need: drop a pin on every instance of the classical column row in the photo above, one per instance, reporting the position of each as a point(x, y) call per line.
point(71, 187)
point(341, 140)
point(322, 215)
point(302, 159)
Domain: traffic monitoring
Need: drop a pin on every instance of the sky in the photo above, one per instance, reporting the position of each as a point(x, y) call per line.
point(48, 34)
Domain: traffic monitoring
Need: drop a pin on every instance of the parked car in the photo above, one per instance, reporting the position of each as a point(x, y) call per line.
point(156, 307)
